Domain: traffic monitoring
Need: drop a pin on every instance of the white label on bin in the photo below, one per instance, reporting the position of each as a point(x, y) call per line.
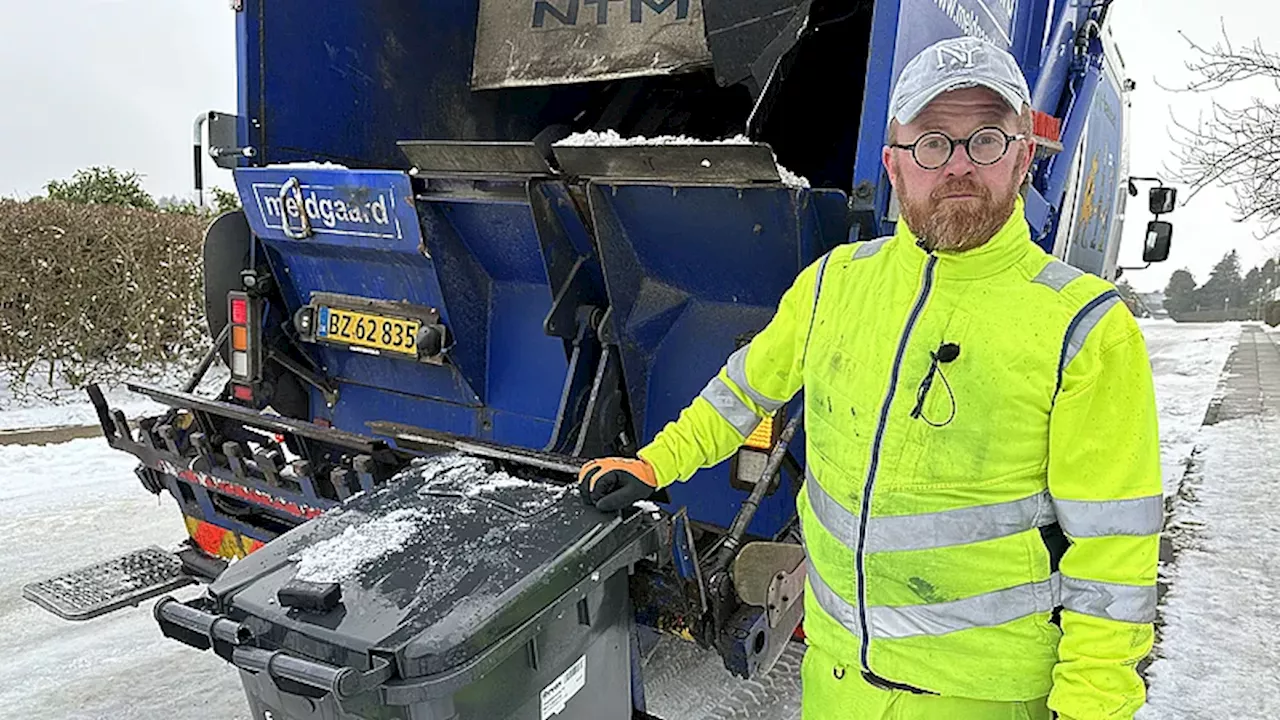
point(556, 695)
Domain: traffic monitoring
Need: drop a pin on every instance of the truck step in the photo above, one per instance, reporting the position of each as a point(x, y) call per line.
point(100, 588)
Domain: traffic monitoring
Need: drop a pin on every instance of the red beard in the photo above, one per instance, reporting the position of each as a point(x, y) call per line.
point(957, 225)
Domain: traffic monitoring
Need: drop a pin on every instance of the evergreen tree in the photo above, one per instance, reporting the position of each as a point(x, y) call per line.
point(1252, 292)
point(1270, 277)
point(1222, 290)
point(1179, 293)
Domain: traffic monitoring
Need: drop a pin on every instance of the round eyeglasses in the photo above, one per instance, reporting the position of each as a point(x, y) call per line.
point(985, 147)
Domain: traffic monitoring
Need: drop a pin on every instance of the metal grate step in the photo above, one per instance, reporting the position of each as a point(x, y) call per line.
point(97, 589)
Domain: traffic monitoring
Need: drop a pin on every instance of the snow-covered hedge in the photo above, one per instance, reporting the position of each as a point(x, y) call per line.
point(87, 289)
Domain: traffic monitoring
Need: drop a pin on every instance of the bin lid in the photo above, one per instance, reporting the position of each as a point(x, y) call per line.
point(443, 561)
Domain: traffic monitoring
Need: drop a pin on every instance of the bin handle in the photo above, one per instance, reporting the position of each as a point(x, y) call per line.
point(213, 627)
point(342, 682)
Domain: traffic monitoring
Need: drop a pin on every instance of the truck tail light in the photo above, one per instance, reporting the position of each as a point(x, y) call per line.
point(240, 364)
point(244, 314)
point(239, 310)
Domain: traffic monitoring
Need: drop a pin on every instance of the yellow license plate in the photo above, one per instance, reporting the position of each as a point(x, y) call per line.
point(376, 332)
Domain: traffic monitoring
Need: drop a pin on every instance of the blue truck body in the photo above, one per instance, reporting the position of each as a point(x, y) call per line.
point(685, 267)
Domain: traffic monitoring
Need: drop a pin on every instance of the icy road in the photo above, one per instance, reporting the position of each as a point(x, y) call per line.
point(63, 506)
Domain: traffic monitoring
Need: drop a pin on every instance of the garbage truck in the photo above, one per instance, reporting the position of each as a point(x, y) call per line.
point(484, 241)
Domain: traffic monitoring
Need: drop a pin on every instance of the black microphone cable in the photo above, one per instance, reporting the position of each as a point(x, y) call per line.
point(946, 352)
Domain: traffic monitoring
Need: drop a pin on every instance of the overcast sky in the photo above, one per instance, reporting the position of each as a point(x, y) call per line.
point(1155, 55)
point(119, 82)
point(111, 82)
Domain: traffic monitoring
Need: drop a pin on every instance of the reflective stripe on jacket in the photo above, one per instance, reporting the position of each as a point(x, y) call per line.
point(929, 495)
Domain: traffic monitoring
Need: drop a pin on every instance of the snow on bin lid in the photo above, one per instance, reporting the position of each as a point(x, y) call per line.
point(443, 561)
point(612, 139)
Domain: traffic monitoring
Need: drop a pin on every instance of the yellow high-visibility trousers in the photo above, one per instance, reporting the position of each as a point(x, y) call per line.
point(833, 691)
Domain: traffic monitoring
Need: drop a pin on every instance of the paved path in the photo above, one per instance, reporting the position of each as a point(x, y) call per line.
point(49, 435)
point(1218, 655)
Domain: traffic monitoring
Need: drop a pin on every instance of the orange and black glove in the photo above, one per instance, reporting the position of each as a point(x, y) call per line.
point(614, 483)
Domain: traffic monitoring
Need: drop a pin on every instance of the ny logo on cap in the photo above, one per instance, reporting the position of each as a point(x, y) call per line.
point(957, 57)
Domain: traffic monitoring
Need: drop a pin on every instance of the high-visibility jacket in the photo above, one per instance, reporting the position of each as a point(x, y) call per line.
point(932, 500)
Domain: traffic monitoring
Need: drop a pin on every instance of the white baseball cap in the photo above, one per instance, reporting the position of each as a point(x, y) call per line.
point(952, 64)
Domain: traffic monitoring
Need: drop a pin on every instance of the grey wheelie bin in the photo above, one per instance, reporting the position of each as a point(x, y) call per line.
point(449, 593)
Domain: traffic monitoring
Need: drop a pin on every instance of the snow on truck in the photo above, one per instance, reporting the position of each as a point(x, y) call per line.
point(484, 241)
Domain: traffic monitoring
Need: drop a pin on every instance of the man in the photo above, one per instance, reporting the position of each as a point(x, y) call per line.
point(983, 498)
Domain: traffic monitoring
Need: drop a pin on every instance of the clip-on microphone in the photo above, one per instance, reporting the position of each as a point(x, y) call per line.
point(947, 352)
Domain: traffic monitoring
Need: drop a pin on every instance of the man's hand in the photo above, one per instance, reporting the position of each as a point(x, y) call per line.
point(614, 483)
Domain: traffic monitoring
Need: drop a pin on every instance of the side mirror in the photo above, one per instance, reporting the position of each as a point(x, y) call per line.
point(1162, 200)
point(1159, 239)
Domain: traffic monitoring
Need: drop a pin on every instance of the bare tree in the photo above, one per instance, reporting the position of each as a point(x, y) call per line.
point(1238, 148)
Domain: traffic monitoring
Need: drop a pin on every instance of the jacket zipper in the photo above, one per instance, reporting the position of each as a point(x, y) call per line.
point(860, 559)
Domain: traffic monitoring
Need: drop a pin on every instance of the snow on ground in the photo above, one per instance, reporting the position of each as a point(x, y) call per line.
point(62, 507)
point(1186, 361)
point(41, 404)
point(72, 408)
point(1219, 656)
